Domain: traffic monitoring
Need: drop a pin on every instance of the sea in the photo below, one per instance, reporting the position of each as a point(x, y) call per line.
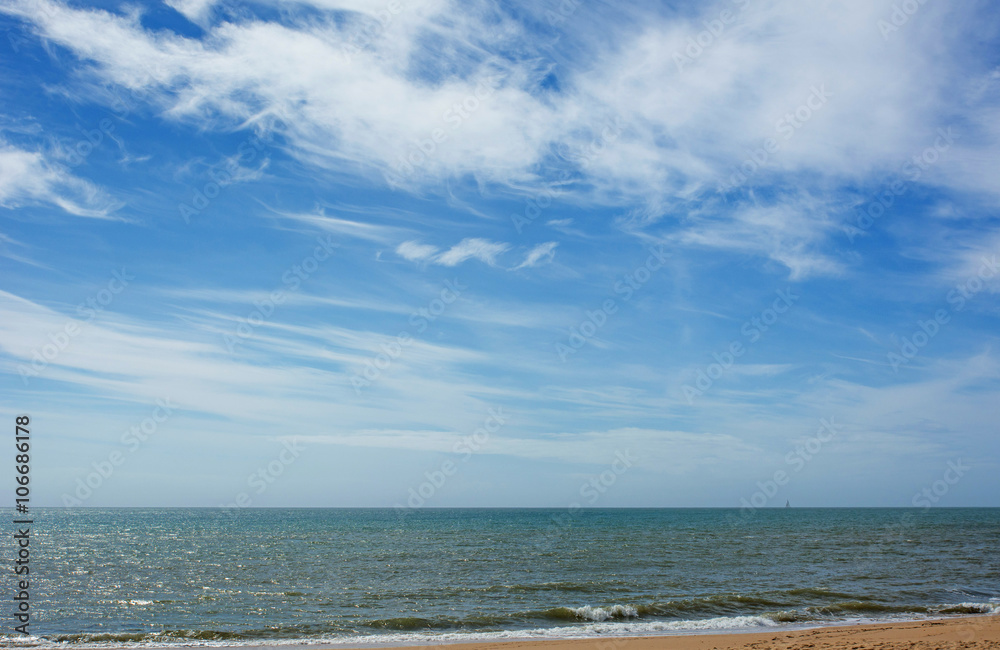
point(376, 577)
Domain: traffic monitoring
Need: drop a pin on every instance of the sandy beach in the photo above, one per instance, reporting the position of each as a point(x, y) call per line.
point(974, 632)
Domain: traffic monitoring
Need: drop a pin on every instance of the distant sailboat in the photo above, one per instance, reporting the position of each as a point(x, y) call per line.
point(787, 504)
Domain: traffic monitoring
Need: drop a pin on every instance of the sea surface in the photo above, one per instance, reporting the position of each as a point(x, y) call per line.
point(102, 577)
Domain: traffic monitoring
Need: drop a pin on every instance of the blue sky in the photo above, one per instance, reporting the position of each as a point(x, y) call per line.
point(324, 253)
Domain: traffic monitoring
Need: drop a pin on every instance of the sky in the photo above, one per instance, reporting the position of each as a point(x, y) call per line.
point(424, 253)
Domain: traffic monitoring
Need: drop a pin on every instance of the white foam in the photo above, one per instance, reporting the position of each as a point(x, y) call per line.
point(589, 630)
point(20, 639)
point(599, 627)
point(602, 614)
point(585, 631)
point(992, 607)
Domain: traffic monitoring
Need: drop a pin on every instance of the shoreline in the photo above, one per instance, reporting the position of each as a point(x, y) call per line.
point(966, 632)
point(986, 626)
point(972, 631)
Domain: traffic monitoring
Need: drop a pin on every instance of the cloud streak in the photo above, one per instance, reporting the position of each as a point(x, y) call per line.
point(29, 178)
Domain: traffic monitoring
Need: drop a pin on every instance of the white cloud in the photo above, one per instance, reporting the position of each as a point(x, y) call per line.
point(975, 264)
point(197, 11)
point(139, 362)
point(415, 252)
point(373, 108)
point(537, 254)
point(790, 233)
point(483, 250)
point(345, 227)
point(27, 178)
point(469, 248)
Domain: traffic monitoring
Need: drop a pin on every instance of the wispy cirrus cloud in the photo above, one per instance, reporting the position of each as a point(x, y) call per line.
point(792, 233)
point(696, 125)
point(483, 250)
point(473, 248)
point(366, 230)
point(29, 178)
point(537, 254)
point(416, 252)
point(477, 248)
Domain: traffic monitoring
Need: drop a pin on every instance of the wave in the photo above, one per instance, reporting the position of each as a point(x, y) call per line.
point(573, 622)
point(588, 613)
point(213, 638)
point(858, 607)
point(972, 608)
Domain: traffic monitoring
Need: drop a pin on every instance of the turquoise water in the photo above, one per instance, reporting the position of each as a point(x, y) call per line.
point(355, 576)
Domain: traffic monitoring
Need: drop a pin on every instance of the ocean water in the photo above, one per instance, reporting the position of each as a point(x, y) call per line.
point(103, 577)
